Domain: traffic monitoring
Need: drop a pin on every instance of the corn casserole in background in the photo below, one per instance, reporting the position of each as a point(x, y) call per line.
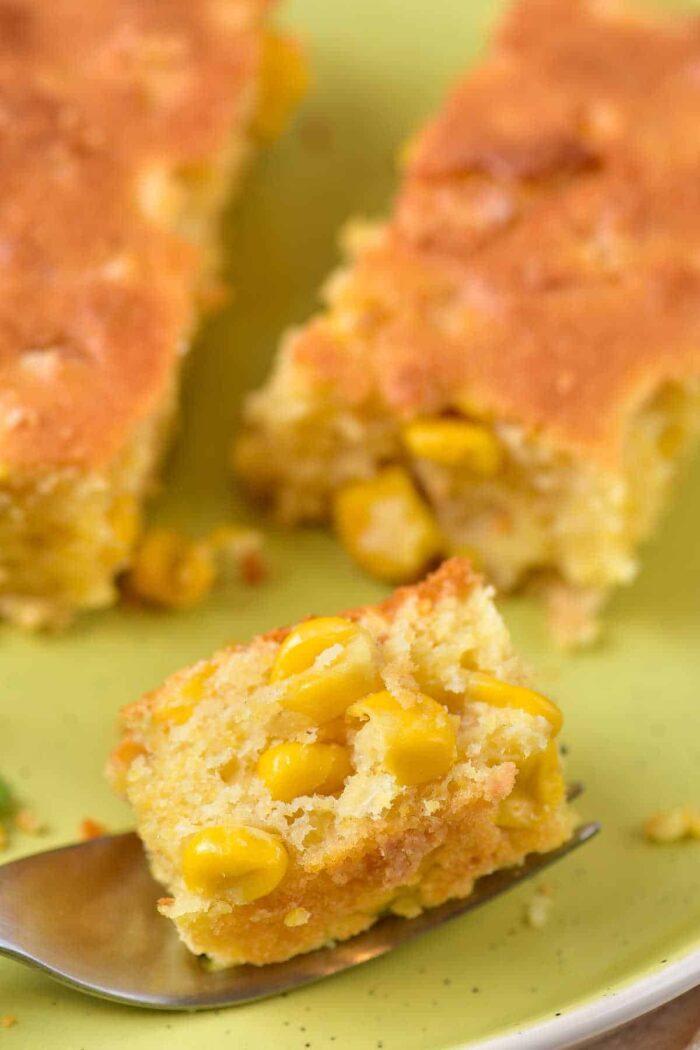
point(123, 124)
point(509, 367)
point(290, 791)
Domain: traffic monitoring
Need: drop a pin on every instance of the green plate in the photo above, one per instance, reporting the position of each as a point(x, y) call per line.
point(623, 910)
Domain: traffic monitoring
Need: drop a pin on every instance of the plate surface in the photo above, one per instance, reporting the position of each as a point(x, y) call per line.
point(624, 911)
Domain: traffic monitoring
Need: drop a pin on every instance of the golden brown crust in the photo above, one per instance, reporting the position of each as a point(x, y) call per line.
point(96, 296)
point(542, 261)
point(454, 578)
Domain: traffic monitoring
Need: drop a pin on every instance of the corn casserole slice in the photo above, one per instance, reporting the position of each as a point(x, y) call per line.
point(292, 790)
point(510, 365)
point(122, 124)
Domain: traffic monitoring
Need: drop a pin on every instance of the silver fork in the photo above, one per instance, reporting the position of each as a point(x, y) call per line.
point(86, 914)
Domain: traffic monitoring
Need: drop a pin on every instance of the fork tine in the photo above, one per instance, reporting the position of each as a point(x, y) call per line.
point(247, 983)
point(486, 889)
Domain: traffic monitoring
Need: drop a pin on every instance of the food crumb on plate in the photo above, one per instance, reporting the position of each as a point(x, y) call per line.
point(173, 571)
point(539, 908)
point(26, 820)
point(8, 1020)
point(673, 825)
point(91, 829)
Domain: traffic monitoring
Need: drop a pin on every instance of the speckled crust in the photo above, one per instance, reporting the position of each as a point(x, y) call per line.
point(541, 264)
point(96, 292)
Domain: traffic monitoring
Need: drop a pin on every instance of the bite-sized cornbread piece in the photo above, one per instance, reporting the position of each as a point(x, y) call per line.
point(518, 347)
point(123, 126)
point(291, 791)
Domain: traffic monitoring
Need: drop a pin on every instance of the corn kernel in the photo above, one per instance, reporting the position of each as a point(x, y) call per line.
point(455, 443)
point(284, 80)
point(385, 525)
point(326, 663)
point(246, 862)
point(170, 570)
point(179, 706)
point(174, 714)
point(418, 743)
point(302, 646)
point(496, 693)
point(539, 788)
point(293, 769)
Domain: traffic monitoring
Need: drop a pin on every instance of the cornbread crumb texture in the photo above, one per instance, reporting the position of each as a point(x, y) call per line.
point(520, 338)
point(101, 162)
point(290, 791)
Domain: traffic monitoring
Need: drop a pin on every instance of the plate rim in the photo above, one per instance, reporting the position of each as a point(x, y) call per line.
point(602, 1014)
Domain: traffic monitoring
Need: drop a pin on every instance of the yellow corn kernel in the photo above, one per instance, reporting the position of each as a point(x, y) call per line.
point(539, 789)
point(455, 443)
point(284, 80)
point(385, 525)
point(300, 649)
point(171, 570)
point(418, 742)
point(246, 862)
point(180, 704)
point(496, 693)
point(326, 663)
point(173, 713)
point(293, 769)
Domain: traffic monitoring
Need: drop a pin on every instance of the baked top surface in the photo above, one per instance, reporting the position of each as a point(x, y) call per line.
point(96, 296)
point(542, 259)
point(453, 579)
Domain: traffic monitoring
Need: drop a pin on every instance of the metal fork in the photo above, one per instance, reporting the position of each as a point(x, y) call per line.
point(86, 914)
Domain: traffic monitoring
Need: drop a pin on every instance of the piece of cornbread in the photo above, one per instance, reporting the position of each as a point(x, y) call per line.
point(510, 365)
point(292, 790)
point(123, 126)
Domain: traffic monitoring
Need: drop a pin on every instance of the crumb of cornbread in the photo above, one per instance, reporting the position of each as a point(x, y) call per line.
point(191, 762)
point(28, 821)
point(91, 829)
point(535, 287)
point(174, 571)
point(673, 825)
point(538, 909)
point(123, 163)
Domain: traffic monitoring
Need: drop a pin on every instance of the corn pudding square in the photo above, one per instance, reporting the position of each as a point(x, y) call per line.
point(123, 126)
point(509, 366)
point(291, 791)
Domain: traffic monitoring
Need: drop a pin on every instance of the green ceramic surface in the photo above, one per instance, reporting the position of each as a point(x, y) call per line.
point(622, 907)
